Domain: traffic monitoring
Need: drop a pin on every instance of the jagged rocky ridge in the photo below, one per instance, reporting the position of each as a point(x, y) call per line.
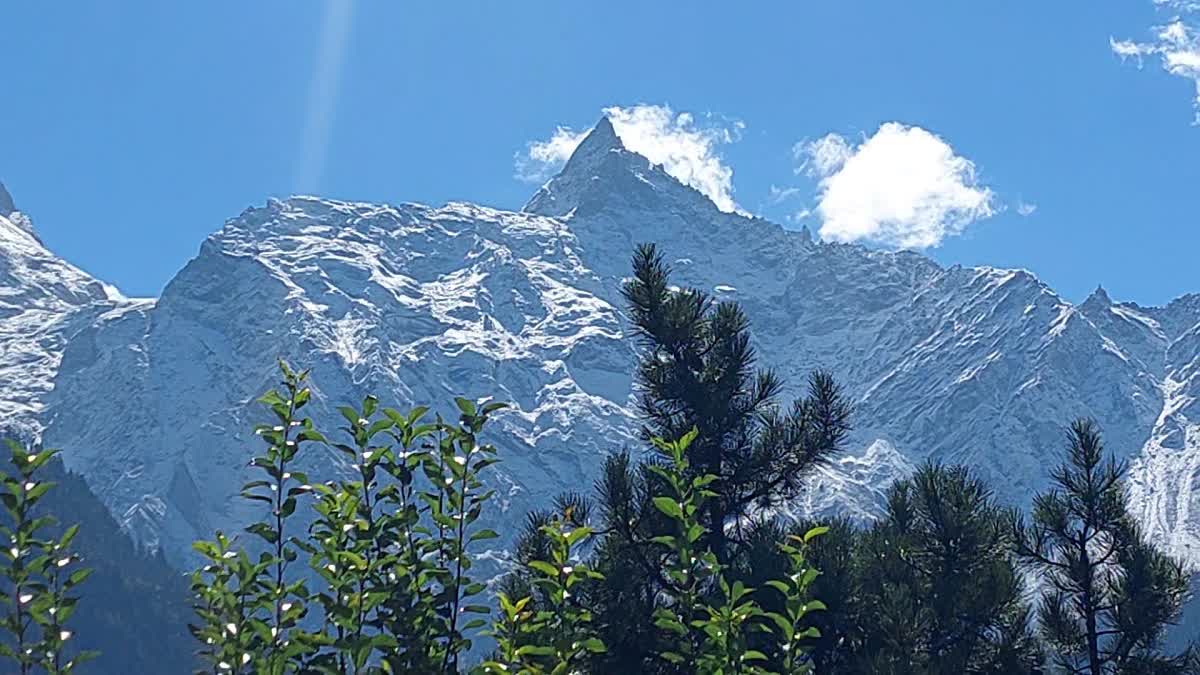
point(44, 301)
point(153, 401)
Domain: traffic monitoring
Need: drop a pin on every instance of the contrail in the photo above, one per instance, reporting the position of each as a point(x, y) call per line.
point(322, 93)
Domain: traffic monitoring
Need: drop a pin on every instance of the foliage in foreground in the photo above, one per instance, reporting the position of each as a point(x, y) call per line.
point(388, 586)
point(934, 586)
point(931, 587)
point(714, 634)
point(134, 618)
point(698, 372)
point(684, 573)
point(135, 610)
point(39, 573)
point(1110, 593)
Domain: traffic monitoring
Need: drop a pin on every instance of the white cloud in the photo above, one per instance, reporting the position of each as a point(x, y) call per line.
point(903, 187)
point(776, 194)
point(802, 214)
point(1025, 208)
point(1180, 5)
point(686, 149)
point(542, 159)
point(823, 156)
point(1176, 44)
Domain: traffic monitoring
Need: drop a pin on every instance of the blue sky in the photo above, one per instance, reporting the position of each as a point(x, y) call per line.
point(129, 131)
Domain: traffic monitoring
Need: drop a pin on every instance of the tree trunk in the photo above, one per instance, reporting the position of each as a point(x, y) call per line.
point(716, 531)
point(1089, 614)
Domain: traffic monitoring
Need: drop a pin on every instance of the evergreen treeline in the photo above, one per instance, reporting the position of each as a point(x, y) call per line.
point(136, 609)
point(674, 563)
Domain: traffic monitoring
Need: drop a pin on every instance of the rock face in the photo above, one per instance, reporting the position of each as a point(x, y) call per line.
point(44, 303)
point(6, 202)
point(153, 401)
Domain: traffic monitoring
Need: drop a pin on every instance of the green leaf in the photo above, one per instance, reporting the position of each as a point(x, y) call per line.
point(467, 406)
point(370, 403)
point(77, 577)
point(68, 536)
point(594, 645)
point(672, 657)
point(686, 441)
point(545, 568)
point(310, 435)
point(483, 535)
point(815, 532)
point(264, 531)
point(577, 534)
point(416, 414)
point(779, 586)
point(785, 626)
point(38, 490)
point(669, 507)
point(378, 427)
point(670, 624)
point(350, 414)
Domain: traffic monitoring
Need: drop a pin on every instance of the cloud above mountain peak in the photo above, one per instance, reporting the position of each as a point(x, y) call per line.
point(901, 187)
point(686, 148)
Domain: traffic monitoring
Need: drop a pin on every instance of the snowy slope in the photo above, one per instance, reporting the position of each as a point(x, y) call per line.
point(418, 304)
point(44, 301)
point(413, 303)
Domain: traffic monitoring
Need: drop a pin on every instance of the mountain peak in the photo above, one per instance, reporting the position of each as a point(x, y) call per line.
point(601, 139)
point(599, 161)
point(6, 203)
point(1099, 297)
point(9, 212)
point(603, 173)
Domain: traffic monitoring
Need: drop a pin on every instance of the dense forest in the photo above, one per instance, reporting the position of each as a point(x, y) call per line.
point(674, 562)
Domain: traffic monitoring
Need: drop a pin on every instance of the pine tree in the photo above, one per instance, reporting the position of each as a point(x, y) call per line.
point(939, 567)
point(625, 602)
point(930, 588)
point(1109, 593)
point(699, 370)
point(839, 586)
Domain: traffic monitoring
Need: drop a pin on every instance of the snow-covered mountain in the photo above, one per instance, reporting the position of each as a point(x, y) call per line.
point(153, 401)
point(44, 302)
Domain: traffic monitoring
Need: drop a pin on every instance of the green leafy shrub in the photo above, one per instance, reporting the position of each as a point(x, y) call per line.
point(40, 573)
point(797, 603)
point(555, 638)
point(712, 630)
point(387, 587)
